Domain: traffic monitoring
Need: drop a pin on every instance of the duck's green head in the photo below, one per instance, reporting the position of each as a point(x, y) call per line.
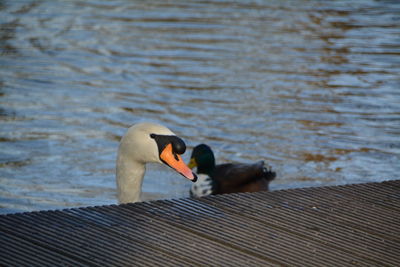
point(203, 158)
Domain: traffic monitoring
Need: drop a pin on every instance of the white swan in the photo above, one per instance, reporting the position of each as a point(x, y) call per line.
point(144, 143)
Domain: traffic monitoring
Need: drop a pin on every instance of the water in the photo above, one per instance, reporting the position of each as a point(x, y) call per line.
point(311, 87)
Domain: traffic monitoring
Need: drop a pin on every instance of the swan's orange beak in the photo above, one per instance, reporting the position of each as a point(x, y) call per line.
point(176, 162)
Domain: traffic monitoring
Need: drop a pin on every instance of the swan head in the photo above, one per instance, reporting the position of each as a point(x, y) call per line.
point(154, 143)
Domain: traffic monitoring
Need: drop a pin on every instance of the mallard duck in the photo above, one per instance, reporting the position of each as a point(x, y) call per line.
point(226, 178)
point(144, 143)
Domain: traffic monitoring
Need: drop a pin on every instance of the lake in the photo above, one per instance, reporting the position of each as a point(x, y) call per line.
point(311, 87)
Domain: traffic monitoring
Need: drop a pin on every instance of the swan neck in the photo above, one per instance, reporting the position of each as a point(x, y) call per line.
point(130, 175)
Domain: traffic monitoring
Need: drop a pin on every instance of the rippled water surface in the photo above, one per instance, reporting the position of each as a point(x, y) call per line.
point(311, 87)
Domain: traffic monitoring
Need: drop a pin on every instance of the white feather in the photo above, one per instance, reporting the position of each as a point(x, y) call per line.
point(203, 186)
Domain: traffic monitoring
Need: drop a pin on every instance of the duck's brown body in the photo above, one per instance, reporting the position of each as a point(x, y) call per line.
point(239, 177)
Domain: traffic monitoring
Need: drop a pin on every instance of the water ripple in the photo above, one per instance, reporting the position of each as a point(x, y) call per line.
point(310, 87)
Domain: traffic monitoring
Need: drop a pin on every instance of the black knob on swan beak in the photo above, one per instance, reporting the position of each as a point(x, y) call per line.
point(178, 146)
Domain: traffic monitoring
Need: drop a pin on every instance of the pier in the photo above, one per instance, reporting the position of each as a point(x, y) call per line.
point(350, 225)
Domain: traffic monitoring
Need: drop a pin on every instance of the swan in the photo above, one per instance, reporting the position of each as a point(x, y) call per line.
point(147, 143)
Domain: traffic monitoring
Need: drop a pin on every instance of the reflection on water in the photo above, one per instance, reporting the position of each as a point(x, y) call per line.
point(311, 87)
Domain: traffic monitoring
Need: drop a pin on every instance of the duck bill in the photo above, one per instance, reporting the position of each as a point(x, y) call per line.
point(176, 162)
point(192, 163)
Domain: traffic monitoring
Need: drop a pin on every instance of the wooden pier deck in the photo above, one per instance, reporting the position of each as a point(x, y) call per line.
point(352, 225)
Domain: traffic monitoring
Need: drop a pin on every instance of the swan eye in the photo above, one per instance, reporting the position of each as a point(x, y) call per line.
point(178, 146)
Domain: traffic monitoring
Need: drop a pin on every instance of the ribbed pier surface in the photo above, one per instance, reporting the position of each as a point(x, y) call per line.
point(352, 225)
